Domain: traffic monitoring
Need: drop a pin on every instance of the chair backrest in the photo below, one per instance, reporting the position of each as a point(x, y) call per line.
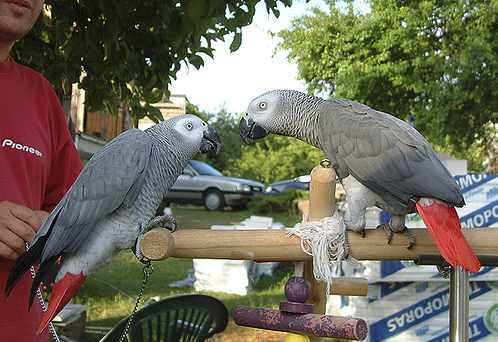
point(186, 318)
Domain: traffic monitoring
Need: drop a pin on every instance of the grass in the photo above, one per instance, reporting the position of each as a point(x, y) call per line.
point(110, 293)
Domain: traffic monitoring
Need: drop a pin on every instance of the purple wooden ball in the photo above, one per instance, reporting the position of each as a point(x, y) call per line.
point(297, 289)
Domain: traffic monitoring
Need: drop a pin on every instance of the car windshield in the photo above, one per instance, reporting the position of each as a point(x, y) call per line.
point(204, 169)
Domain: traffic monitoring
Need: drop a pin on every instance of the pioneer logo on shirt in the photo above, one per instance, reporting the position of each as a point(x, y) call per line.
point(9, 143)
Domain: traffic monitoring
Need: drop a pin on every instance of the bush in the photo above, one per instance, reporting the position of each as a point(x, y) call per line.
point(282, 202)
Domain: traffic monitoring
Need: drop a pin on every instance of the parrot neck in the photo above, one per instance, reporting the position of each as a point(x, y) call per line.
point(307, 124)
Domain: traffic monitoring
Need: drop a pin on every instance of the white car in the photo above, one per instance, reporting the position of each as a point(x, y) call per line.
point(200, 183)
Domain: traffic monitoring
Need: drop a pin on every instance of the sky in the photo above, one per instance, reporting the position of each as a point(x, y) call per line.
point(231, 80)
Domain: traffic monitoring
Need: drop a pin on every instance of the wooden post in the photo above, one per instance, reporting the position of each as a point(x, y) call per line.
point(322, 204)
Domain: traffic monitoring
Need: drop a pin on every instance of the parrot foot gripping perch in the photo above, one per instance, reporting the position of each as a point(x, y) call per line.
point(166, 222)
point(390, 233)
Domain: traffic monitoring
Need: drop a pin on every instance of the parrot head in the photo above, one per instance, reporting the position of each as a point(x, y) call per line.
point(194, 133)
point(276, 112)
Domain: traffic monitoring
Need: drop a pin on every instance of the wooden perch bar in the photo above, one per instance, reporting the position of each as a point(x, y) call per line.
point(276, 245)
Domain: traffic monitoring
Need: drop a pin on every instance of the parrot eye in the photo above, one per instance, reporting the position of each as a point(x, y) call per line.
point(189, 126)
point(262, 105)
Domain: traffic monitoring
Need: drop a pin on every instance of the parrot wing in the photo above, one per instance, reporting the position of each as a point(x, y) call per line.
point(110, 180)
point(387, 155)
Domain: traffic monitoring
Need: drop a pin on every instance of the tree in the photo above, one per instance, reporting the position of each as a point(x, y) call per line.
point(434, 60)
point(275, 158)
point(227, 126)
point(271, 159)
point(128, 51)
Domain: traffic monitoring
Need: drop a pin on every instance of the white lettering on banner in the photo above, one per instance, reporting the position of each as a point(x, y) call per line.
point(11, 144)
point(474, 331)
point(434, 305)
point(482, 219)
point(468, 180)
point(408, 317)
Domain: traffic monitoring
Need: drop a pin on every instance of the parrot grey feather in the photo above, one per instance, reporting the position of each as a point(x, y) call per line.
point(111, 179)
point(385, 154)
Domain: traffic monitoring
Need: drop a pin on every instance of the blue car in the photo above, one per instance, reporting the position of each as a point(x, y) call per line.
point(300, 183)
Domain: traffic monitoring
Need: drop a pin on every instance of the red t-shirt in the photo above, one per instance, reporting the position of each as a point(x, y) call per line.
point(38, 164)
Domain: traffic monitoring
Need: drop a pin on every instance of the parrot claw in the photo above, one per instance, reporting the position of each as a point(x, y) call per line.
point(389, 233)
point(410, 237)
point(444, 270)
point(346, 246)
point(137, 252)
point(166, 221)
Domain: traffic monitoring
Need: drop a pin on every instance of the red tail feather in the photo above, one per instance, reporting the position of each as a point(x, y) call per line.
point(444, 225)
point(62, 292)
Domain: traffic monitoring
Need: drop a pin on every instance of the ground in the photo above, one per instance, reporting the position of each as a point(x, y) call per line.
point(109, 294)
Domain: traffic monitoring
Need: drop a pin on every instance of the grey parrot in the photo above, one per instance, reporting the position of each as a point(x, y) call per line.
point(111, 204)
point(379, 159)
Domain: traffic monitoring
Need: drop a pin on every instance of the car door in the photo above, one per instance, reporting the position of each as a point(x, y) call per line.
point(187, 187)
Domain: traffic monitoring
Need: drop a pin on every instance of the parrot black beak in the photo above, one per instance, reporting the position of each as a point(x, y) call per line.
point(210, 141)
point(250, 130)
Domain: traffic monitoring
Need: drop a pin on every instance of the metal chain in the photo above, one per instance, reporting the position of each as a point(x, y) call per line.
point(39, 295)
point(147, 270)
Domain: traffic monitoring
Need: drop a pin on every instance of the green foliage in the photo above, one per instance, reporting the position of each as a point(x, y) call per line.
point(283, 202)
point(275, 158)
point(227, 125)
point(271, 159)
point(129, 51)
point(433, 59)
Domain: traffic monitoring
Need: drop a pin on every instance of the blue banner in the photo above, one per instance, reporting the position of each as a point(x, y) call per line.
point(484, 217)
point(473, 180)
point(477, 330)
point(419, 312)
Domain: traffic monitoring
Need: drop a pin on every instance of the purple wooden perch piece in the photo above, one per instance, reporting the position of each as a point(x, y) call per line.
point(308, 324)
point(296, 316)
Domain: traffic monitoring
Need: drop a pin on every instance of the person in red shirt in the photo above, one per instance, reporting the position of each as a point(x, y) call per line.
point(38, 164)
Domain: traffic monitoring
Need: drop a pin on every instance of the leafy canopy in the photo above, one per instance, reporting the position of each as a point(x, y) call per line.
point(130, 50)
point(269, 160)
point(434, 60)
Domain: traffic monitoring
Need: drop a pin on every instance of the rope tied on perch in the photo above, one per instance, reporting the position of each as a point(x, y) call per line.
point(326, 241)
point(322, 230)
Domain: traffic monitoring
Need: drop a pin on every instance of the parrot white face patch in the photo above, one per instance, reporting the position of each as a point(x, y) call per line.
point(262, 108)
point(191, 128)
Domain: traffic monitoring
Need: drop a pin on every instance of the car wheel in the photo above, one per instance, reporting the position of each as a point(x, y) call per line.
point(214, 200)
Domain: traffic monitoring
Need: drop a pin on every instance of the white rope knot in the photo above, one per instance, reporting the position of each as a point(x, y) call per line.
point(326, 241)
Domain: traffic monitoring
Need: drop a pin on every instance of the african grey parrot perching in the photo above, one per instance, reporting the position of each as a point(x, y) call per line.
point(379, 159)
point(112, 202)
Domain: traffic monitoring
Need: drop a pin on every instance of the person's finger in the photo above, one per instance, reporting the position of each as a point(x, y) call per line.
point(7, 252)
point(42, 215)
point(12, 240)
point(20, 228)
point(25, 214)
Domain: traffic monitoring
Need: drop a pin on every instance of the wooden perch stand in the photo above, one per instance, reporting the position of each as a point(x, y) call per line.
point(306, 314)
point(277, 245)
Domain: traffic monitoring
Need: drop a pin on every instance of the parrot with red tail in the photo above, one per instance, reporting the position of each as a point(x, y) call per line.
point(379, 159)
point(110, 206)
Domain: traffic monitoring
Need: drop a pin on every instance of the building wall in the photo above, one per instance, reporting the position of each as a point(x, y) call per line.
point(103, 125)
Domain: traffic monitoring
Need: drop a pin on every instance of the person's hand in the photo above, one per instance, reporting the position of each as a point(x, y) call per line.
point(18, 225)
